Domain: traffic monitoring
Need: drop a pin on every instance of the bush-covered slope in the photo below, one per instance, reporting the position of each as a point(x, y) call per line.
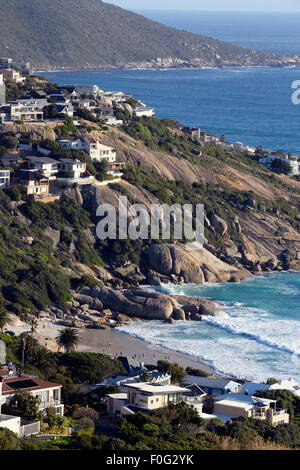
point(91, 32)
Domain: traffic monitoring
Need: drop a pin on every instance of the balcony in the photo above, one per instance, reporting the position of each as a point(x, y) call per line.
point(28, 428)
point(50, 404)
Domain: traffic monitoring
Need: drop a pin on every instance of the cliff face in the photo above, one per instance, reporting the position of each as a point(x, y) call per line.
point(251, 214)
point(91, 33)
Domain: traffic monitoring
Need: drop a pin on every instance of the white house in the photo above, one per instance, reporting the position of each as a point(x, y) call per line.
point(112, 121)
point(143, 112)
point(142, 396)
point(4, 179)
point(48, 166)
point(49, 393)
point(27, 110)
point(13, 75)
point(98, 151)
point(88, 90)
point(292, 161)
point(15, 423)
point(72, 168)
point(71, 144)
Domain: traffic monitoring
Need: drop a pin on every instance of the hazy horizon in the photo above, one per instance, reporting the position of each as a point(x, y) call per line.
point(214, 5)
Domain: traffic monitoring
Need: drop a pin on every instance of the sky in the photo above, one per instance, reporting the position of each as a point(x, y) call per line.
point(221, 5)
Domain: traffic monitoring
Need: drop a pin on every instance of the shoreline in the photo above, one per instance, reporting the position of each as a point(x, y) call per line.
point(115, 343)
point(158, 69)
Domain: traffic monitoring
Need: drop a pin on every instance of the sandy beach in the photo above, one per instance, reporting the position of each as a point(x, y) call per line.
point(113, 343)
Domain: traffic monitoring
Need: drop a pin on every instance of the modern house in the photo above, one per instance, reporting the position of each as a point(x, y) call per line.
point(93, 90)
point(234, 405)
point(212, 386)
point(71, 144)
point(49, 393)
point(13, 75)
point(4, 179)
point(112, 121)
point(72, 168)
point(48, 166)
point(143, 112)
point(2, 90)
point(143, 396)
point(281, 161)
point(29, 110)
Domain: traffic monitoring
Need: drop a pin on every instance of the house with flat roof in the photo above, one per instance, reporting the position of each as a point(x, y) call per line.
point(13, 75)
point(72, 168)
point(143, 396)
point(212, 386)
point(143, 112)
point(4, 179)
point(234, 405)
point(48, 166)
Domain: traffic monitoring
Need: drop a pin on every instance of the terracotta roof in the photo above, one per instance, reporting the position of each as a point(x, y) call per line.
point(30, 384)
point(91, 140)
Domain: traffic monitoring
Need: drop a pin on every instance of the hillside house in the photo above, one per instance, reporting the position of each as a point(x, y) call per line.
point(98, 151)
point(4, 179)
point(141, 396)
point(72, 168)
point(234, 405)
point(14, 423)
point(292, 161)
point(33, 182)
point(47, 166)
point(29, 110)
point(13, 75)
point(49, 393)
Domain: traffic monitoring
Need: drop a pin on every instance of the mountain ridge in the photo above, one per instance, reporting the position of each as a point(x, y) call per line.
point(94, 34)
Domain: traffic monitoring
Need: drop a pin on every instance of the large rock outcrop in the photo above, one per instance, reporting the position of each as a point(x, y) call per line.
point(195, 266)
point(139, 304)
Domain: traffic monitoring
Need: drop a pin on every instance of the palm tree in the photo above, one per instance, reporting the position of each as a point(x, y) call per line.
point(33, 323)
point(68, 339)
point(3, 318)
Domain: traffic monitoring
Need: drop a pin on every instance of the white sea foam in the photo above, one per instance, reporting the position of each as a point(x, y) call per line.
point(255, 335)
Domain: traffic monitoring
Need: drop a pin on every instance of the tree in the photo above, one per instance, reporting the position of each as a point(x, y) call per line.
point(145, 377)
point(4, 317)
point(26, 404)
point(101, 168)
point(85, 412)
point(68, 339)
point(177, 373)
point(32, 322)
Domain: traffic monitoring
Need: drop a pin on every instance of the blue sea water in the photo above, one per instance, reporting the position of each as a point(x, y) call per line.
point(258, 335)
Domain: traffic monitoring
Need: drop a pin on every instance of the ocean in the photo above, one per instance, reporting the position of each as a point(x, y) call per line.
point(258, 334)
point(249, 105)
